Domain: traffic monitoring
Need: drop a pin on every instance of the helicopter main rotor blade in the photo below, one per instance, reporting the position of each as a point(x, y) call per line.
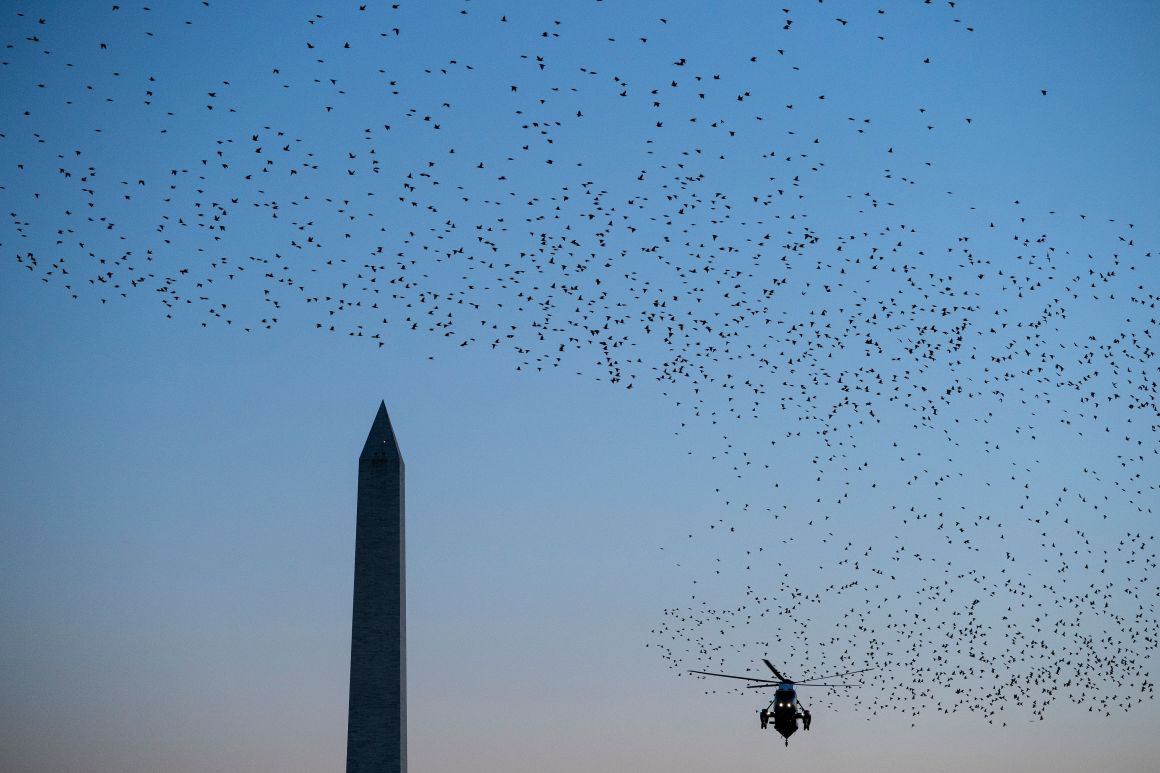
point(774, 670)
point(802, 684)
point(835, 676)
point(734, 676)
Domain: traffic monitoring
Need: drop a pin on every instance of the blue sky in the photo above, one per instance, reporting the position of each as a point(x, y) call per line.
point(177, 513)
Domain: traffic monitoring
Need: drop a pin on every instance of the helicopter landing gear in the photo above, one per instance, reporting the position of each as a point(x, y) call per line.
point(787, 743)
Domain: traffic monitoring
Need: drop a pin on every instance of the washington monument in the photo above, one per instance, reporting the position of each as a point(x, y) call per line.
point(376, 736)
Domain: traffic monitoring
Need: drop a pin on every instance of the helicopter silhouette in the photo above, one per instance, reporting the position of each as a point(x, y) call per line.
point(785, 709)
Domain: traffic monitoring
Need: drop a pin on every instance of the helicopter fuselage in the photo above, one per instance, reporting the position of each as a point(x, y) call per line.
point(785, 710)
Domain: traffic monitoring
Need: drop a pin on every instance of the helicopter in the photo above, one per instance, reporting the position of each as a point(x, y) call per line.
point(785, 709)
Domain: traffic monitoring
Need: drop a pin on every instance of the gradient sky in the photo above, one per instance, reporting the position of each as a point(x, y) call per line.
point(177, 503)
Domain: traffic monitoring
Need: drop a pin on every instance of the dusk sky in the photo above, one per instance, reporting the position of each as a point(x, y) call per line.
point(821, 332)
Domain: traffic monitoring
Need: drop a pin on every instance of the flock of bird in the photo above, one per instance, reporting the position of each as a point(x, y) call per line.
point(933, 421)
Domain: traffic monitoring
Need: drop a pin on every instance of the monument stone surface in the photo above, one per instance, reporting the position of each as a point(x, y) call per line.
point(376, 738)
